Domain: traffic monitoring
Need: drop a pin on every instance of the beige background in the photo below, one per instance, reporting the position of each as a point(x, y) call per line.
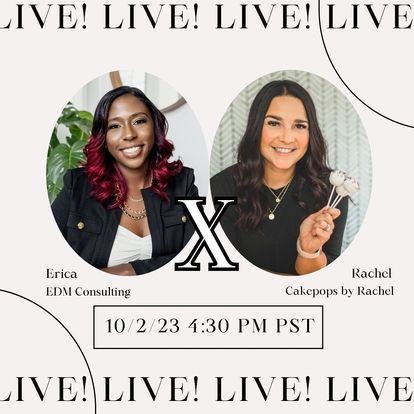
point(365, 336)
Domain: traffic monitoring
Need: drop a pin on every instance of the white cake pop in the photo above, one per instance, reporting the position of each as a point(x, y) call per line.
point(337, 177)
point(342, 191)
point(351, 185)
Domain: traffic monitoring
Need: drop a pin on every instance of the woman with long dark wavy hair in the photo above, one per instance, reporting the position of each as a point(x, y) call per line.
point(281, 181)
point(118, 211)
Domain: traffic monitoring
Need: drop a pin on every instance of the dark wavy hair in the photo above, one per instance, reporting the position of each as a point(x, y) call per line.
point(104, 174)
point(311, 169)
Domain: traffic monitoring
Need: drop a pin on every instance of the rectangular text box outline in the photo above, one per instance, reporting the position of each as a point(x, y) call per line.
point(210, 306)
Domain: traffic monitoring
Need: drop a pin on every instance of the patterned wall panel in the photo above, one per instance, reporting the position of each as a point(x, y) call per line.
point(348, 146)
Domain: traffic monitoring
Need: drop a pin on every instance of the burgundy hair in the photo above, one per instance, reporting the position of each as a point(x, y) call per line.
point(103, 173)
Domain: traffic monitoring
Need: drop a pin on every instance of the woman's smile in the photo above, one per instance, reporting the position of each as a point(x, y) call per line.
point(132, 152)
point(283, 151)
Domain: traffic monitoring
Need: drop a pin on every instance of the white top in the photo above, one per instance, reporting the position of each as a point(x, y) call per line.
point(128, 247)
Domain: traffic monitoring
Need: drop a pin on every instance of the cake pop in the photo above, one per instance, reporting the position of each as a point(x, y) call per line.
point(336, 178)
point(350, 186)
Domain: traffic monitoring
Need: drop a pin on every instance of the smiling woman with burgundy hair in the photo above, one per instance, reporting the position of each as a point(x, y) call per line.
point(281, 182)
point(118, 211)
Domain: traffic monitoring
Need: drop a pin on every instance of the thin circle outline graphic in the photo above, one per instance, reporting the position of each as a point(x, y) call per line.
point(339, 76)
point(70, 334)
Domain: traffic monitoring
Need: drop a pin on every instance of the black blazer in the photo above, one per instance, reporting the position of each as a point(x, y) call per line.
point(90, 228)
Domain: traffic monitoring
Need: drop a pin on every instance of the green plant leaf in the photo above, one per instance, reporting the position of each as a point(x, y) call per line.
point(54, 141)
point(75, 135)
point(53, 189)
point(62, 158)
point(79, 133)
point(68, 112)
point(86, 116)
point(66, 155)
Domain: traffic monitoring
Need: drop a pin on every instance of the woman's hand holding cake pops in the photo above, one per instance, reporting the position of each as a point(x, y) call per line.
point(315, 231)
point(317, 228)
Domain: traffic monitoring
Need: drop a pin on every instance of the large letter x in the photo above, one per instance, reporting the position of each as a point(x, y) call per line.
point(208, 239)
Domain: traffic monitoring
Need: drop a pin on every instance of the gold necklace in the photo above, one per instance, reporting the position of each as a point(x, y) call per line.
point(128, 211)
point(137, 200)
point(135, 215)
point(278, 198)
point(136, 212)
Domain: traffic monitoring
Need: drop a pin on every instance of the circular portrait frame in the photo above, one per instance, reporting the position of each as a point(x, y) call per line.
point(113, 177)
point(347, 149)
